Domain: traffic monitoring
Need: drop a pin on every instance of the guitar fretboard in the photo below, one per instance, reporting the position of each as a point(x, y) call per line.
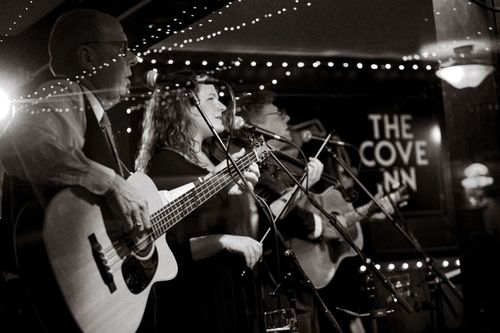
point(360, 213)
point(370, 208)
point(175, 211)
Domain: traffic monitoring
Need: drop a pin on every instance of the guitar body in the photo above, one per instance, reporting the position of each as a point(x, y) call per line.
point(104, 284)
point(101, 275)
point(321, 258)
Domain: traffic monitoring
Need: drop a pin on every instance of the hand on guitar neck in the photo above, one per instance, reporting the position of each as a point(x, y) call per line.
point(329, 231)
point(386, 204)
point(321, 258)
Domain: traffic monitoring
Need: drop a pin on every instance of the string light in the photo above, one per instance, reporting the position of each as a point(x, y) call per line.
point(269, 64)
point(177, 21)
point(218, 33)
point(415, 265)
point(14, 23)
point(284, 64)
point(169, 30)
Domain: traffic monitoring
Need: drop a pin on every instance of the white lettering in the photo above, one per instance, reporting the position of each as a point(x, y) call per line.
point(391, 126)
point(400, 177)
point(364, 159)
point(404, 152)
point(375, 118)
point(420, 151)
point(378, 155)
point(409, 179)
point(406, 126)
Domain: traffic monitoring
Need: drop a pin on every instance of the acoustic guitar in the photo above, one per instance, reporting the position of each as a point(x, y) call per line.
point(320, 258)
point(104, 279)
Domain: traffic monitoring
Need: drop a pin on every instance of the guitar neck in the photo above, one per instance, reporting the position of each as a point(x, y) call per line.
point(360, 213)
point(370, 208)
point(175, 211)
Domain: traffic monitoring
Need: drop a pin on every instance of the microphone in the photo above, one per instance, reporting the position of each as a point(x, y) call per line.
point(308, 136)
point(152, 79)
point(239, 123)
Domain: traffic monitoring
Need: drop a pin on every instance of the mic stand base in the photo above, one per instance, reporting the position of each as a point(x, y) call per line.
point(372, 314)
point(292, 259)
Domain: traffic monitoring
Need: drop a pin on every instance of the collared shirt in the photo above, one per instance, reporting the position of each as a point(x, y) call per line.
point(44, 140)
point(94, 103)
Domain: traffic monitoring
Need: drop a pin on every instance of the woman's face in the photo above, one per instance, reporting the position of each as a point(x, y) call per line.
point(213, 108)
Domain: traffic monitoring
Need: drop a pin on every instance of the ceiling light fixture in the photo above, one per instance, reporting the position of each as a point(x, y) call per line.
point(463, 71)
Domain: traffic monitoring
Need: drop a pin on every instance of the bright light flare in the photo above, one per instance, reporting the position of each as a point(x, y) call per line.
point(436, 134)
point(4, 104)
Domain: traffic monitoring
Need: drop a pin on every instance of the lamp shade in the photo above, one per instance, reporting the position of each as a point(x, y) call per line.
point(465, 75)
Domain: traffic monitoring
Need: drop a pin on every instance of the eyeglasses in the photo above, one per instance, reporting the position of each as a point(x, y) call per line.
point(123, 45)
point(281, 113)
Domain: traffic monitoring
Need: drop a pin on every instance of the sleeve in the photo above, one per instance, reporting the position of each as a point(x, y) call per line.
point(43, 142)
point(299, 222)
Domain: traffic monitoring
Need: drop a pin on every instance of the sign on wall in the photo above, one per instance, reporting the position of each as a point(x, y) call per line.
point(403, 149)
point(398, 142)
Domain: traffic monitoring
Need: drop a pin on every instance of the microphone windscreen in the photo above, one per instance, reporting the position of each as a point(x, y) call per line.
point(306, 135)
point(238, 123)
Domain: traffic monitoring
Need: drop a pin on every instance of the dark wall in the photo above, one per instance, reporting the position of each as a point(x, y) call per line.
point(340, 98)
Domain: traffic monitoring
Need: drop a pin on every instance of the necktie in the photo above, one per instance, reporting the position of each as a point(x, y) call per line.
point(106, 126)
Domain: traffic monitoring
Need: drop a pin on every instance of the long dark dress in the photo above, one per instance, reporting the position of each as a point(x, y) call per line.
point(209, 295)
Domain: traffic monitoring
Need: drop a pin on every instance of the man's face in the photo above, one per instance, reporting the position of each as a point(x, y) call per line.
point(111, 80)
point(274, 120)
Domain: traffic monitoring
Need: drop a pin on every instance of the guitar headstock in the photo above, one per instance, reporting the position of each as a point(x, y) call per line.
point(400, 196)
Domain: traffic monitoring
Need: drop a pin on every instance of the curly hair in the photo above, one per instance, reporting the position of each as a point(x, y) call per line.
point(250, 104)
point(167, 124)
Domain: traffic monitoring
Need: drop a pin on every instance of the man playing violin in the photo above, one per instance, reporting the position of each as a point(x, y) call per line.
point(276, 187)
point(300, 223)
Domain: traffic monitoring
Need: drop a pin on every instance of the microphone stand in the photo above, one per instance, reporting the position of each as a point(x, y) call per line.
point(434, 284)
point(368, 263)
point(432, 269)
point(288, 253)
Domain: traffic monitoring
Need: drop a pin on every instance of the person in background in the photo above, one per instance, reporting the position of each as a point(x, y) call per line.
point(275, 187)
point(302, 221)
point(62, 137)
point(215, 243)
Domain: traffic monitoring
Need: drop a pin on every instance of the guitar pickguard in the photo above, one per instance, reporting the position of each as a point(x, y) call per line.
point(139, 272)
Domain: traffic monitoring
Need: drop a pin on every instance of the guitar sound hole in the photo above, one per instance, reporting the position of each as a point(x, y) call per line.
point(138, 272)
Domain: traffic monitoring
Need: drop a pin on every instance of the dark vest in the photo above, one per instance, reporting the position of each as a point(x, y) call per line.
point(17, 193)
point(96, 146)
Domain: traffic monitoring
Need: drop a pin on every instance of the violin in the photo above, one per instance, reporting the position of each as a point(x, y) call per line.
point(293, 164)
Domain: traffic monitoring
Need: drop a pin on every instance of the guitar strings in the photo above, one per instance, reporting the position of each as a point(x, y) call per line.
point(122, 249)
